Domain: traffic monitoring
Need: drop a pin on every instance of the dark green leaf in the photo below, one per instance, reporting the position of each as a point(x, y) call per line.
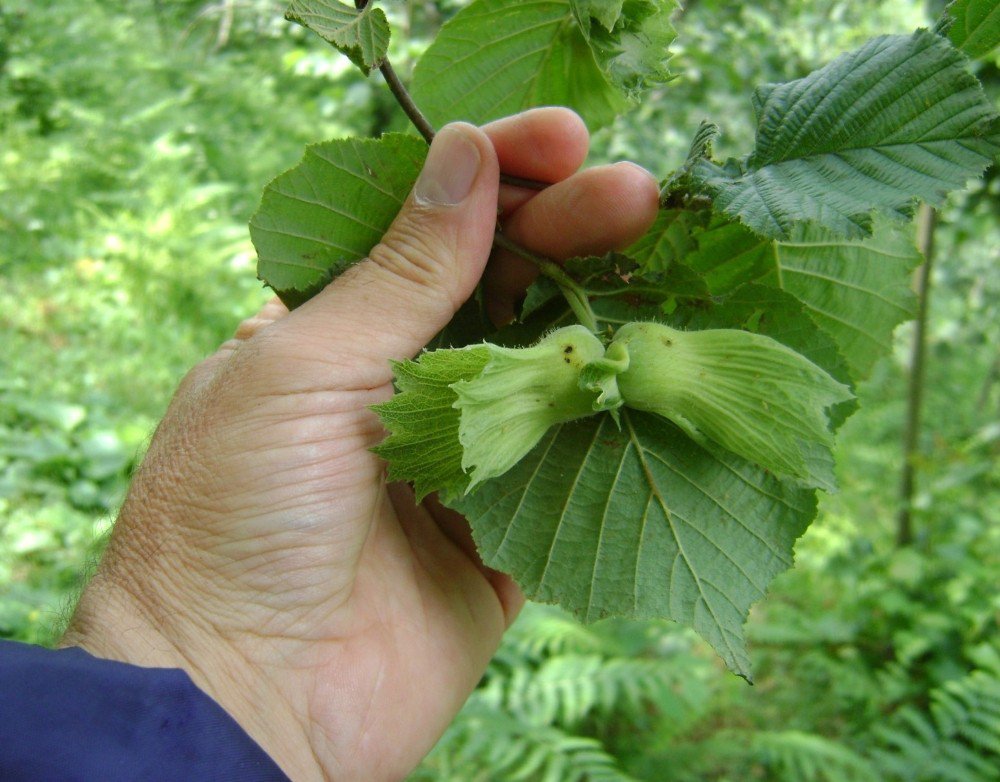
point(718, 252)
point(899, 119)
point(728, 255)
point(669, 239)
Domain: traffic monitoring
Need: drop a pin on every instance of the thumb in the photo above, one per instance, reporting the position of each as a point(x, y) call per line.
point(427, 264)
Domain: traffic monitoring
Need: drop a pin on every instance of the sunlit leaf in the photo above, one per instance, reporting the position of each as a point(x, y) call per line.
point(362, 35)
point(330, 210)
point(499, 57)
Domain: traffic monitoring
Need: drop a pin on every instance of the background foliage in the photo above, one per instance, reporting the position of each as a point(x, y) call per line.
point(135, 138)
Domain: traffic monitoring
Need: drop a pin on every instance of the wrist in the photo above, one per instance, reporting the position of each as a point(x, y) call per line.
point(112, 622)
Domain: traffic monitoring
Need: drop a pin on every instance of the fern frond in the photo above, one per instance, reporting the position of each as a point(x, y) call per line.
point(486, 743)
point(567, 689)
point(806, 757)
point(958, 741)
point(545, 631)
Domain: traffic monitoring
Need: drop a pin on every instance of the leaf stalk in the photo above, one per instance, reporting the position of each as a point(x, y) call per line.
point(575, 295)
point(402, 96)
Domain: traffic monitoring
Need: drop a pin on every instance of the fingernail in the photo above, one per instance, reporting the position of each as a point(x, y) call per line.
point(451, 168)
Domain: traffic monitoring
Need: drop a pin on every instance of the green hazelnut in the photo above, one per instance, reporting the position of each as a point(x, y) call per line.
point(519, 395)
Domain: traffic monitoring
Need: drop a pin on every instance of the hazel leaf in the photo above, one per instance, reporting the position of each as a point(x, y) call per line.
point(633, 50)
point(641, 521)
point(325, 214)
point(976, 29)
point(604, 12)
point(594, 56)
point(899, 119)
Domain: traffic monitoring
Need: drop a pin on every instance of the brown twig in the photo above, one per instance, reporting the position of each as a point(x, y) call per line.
point(402, 96)
point(424, 127)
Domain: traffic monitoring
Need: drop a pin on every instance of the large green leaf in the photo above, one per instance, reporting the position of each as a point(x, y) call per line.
point(899, 119)
point(362, 35)
point(976, 29)
point(330, 210)
point(641, 521)
point(499, 57)
point(856, 291)
point(632, 50)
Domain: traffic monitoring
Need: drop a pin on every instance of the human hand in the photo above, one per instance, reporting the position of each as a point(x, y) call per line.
point(260, 547)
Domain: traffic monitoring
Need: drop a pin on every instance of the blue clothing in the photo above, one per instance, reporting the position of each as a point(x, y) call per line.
point(66, 716)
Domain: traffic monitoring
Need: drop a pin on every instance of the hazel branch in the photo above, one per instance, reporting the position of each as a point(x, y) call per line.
point(402, 96)
point(423, 125)
point(575, 296)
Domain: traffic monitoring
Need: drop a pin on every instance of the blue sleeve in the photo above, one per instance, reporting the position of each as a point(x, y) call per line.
point(66, 715)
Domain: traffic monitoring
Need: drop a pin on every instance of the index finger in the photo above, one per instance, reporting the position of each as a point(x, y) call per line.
point(547, 144)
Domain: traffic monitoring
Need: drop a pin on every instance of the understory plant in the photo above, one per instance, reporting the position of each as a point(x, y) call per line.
point(647, 439)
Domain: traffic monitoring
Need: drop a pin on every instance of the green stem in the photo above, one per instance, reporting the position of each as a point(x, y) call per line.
point(926, 222)
point(575, 296)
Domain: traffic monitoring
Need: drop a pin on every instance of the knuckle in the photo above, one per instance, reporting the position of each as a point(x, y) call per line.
point(415, 258)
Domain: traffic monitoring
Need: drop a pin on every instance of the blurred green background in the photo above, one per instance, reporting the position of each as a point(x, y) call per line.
point(135, 138)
